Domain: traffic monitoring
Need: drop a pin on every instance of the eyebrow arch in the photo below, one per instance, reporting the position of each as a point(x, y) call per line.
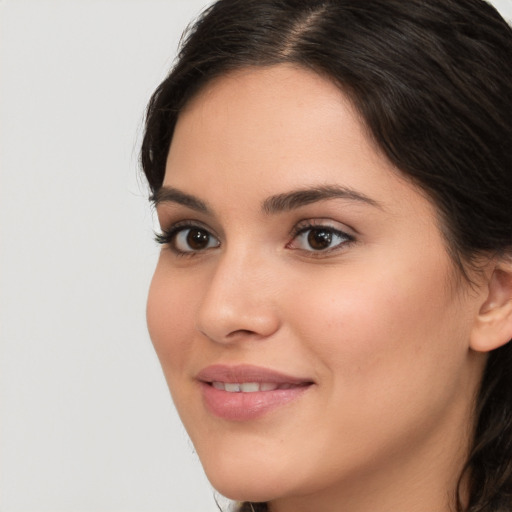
point(173, 195)
point(302, 197)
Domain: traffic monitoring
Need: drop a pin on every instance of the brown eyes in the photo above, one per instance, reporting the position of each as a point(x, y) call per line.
point(187, 239)
point(320, 239)
point(193, 239)
point(314, 238)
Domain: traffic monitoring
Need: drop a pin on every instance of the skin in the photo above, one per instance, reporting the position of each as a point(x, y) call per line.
point(381, 324)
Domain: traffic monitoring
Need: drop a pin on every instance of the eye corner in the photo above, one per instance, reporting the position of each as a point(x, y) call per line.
point(160, 238)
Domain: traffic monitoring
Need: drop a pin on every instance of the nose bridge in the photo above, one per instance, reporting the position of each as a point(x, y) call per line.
point(238, 299)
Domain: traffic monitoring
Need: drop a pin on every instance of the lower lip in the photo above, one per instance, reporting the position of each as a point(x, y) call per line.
point(247, 406)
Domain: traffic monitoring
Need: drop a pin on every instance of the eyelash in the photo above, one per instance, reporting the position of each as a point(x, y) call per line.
point(319, 226)
point(168, 237)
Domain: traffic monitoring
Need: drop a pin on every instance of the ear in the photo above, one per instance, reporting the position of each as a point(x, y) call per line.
point(493, 325)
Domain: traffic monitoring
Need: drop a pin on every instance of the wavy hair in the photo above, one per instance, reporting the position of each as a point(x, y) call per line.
point(432, 81)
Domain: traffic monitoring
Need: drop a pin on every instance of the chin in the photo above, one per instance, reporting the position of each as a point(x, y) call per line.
point(246, 482)
point(246, 490)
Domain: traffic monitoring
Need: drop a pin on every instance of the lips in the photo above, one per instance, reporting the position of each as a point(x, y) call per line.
point(242, 393)
point(250, 387)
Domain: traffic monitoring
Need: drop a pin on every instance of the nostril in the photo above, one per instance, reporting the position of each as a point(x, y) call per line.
point(243, 332)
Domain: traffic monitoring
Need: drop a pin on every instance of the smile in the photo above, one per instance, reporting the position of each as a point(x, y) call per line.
point(251, 387)
point(245, 393)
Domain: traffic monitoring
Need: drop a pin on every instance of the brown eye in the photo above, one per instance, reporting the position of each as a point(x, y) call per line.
point(194, 239)
point(319, 239)
point(197, 239)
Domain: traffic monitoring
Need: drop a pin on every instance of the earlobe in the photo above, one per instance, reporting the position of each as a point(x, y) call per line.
point(493, 325)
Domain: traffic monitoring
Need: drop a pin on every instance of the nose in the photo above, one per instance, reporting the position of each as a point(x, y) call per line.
point(240, 300)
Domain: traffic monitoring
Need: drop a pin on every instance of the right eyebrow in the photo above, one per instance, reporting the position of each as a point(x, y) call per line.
point(173, 195)
point(302, 197)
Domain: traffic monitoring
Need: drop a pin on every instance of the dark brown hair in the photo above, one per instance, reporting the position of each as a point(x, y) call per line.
point(432, 81)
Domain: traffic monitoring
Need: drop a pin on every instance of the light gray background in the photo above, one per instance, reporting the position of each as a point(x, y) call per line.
point(86, 422)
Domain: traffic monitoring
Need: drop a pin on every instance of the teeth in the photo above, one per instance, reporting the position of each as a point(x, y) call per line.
point(248, 387)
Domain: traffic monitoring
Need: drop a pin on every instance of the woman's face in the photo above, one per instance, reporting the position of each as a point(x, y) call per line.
point(305, 311)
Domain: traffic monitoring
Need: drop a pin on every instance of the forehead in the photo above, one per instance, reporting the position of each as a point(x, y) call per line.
point(282, 122)
point(295, 85)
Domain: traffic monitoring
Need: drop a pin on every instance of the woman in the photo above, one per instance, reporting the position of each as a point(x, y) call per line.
point(332, 305)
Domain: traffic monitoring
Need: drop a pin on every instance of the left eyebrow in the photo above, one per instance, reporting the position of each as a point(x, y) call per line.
point(173, 195)
point(302, 197)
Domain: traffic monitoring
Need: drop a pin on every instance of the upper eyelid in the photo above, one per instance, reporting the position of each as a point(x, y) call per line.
point(174, 227)
point(323, 223)
point(339, 232)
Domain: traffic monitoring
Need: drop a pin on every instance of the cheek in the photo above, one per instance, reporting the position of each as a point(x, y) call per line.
point(381, 328)
point(390, 351)
point(169, 312)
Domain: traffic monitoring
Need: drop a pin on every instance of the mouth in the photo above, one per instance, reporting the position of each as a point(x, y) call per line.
point(243, 393)
point(252, 387)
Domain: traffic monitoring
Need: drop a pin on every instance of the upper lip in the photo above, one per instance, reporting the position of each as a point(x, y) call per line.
point(247, 373)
